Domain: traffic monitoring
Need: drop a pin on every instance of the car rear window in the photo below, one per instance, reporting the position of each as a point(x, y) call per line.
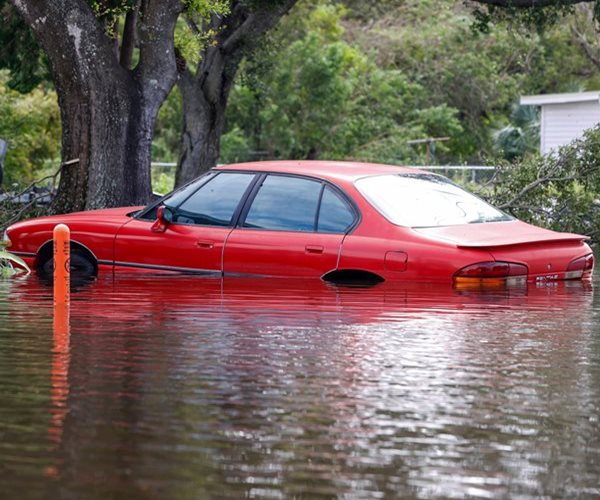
point(425, 200)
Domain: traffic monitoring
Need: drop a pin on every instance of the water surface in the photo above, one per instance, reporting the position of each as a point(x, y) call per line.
point(187, 387)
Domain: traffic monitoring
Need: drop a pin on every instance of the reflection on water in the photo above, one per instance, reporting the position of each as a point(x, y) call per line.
point(184, 387)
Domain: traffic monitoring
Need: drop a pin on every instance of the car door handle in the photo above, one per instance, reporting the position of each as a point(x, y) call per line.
point(314, 249)
point(205, 244)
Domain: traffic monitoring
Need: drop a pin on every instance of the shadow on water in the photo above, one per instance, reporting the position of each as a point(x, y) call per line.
point(179, 386)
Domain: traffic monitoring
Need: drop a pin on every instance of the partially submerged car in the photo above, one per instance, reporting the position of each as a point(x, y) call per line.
point(325, 219)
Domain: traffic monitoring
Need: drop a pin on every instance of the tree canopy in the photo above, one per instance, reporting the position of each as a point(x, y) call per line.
point(340, 79)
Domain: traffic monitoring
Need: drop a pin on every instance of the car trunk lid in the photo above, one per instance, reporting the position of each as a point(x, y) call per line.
point(546, 253)
point(497, 234)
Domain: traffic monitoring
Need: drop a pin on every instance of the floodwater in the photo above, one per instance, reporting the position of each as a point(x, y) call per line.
point(188, 387)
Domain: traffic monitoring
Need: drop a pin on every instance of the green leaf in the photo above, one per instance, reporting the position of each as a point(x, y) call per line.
point(7, 256)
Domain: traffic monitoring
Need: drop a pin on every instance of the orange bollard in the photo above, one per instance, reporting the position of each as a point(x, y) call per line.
point(62, 271)
point(61, 356)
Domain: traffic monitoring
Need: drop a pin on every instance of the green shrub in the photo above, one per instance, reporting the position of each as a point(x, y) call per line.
point(30, 123)
point(10, 264)
point(559, 191)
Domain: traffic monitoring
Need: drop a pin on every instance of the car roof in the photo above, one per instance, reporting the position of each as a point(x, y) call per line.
point(346, 170)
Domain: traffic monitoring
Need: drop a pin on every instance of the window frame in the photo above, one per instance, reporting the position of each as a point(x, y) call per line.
point(239, 215)
point(210, 175)
point(357, 216)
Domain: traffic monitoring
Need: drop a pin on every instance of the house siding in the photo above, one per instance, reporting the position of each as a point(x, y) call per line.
point(562, 123)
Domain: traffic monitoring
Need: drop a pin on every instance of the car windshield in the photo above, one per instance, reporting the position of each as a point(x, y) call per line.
point(425, 200)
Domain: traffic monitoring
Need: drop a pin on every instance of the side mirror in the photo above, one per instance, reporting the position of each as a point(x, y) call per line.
point(164, 217)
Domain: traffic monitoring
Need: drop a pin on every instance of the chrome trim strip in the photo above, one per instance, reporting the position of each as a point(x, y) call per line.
point(24, 254)
point(167, 268)
point(250, 275)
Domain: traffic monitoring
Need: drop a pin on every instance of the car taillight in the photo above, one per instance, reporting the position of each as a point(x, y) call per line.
point(492, 273)
point(584, 264)
point(483, 270)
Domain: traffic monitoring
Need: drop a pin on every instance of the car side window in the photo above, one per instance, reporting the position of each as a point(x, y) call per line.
point(216, 201)
point(185, 192)
point(285, 203)
point(335, 215)
point(175, 198)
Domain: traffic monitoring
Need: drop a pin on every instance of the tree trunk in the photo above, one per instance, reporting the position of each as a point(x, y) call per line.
point(203, 122)
point(205, 94)
point(108, 111)
point(105, 129)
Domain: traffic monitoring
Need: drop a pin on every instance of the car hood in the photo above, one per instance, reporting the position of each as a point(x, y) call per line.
point(104, 215)
point(496, 234)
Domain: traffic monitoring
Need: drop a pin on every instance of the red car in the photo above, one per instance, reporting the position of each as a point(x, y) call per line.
point(329, 220)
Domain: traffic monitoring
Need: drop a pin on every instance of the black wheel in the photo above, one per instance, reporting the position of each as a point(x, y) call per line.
point(80, 264)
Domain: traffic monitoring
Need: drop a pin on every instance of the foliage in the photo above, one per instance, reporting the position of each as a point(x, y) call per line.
point(190, 41)
point(480, 75)
point(320, 97)
point(521, 135)
point(163, 182)
point(20, 53)
point(167, 130)
point(8, 261)
point(166, 143)
point(538, 18)
point(362, 81)
point(560, 191)
point(30, 124)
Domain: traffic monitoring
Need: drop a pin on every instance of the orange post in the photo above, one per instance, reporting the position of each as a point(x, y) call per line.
point(62, 271)
point(61, 356)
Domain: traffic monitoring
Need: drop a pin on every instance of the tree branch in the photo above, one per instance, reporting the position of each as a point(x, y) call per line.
point(587, 47)
point(157, 69)
point(237, 34)
point(583, 19)
point(248, 25)
point(192, 26)
point(545, 177)
point(128, 41)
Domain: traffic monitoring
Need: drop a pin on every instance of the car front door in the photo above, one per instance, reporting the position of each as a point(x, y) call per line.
point(203, 217)
point(291, 226)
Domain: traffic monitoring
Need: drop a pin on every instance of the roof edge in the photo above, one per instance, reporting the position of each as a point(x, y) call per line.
point(538, 100)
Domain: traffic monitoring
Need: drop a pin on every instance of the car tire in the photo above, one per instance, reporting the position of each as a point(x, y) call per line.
point(80, 264)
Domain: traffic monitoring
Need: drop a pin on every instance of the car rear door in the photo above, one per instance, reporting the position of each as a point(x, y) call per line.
point(203, 218)
point(290, 226)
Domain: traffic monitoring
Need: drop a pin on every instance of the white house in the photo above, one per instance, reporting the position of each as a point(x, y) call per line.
point(564, 116)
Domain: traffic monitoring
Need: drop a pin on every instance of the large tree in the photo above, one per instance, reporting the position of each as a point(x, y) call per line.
point(108, 106)
point(205, 91)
